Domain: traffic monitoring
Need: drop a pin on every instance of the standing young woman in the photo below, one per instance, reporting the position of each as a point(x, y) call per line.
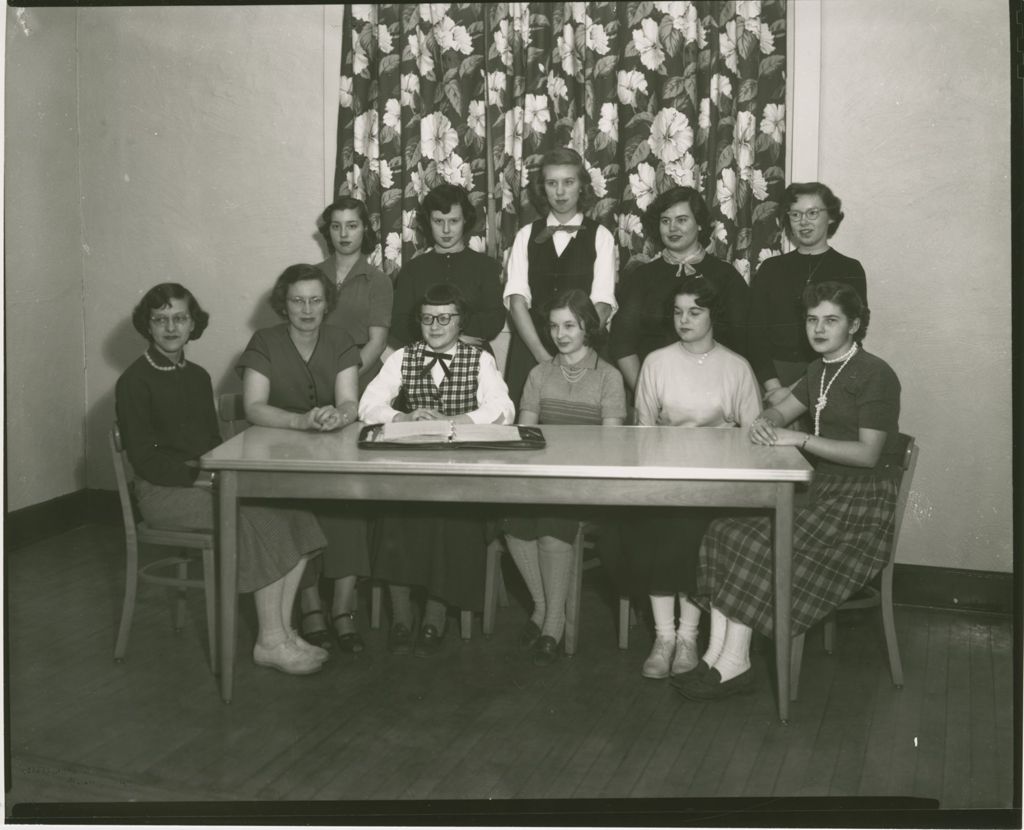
point(564, 249)
point(778, 348)
point(302, 374)
point(446, 217)
point(365, 294)
point(167, 420)
point(841, 539)
point(681, 222)
point(577, 387)
point(695, 382)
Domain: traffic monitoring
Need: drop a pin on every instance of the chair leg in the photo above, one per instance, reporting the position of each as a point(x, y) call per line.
point(572, 601)
point(179, 611)
point(466, 623)
point(375, 605)
point(492, 574)
point(210, 589)
point(888, 624)
point(503, 599)
point(796, 656)
point(131, 587)
point(625, 615)
point(829, 633)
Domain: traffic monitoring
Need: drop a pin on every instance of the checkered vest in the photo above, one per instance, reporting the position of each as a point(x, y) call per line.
point(456, 395)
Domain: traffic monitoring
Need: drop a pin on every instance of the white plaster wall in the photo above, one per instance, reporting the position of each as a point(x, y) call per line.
point(45, 397)
point(202, 148)
point(915, 114)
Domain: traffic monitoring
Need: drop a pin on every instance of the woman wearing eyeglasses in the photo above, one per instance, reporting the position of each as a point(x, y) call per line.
point(437, 548)
point(303, 374)
point(167, 420)
point(778, 348)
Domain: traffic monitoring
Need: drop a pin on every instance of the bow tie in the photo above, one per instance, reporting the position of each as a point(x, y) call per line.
point(549, 232)
point(434, 358)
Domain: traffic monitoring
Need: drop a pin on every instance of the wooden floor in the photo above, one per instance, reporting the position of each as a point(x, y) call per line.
point(478, 721)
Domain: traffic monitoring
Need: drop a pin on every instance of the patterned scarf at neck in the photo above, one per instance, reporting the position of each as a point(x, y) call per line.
point(684, 261)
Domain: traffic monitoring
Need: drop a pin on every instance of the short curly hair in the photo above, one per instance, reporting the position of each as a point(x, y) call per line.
point(651, 218)
point(704, 293)
point(561, 156)
point(323, 222)
point(846, 297)
point(160, 296)
point(578, 302)
point(833, 204)
point(300, 273)
point(443, 198)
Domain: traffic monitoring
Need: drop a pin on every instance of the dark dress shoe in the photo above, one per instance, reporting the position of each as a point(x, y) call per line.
point(710, 686)
point(545, 652)
point(699, 670)
point(321, 637)
point(399, 639)
point(428, 642)
point(529, 634)
point(351, 642)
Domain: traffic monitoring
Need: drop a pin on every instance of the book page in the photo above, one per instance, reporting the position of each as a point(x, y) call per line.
point(485, 432)
point(411, 432)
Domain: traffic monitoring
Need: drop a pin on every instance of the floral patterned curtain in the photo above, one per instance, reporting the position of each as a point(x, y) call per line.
point(651, 94)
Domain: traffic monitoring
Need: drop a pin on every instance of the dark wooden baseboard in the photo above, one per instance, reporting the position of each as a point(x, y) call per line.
point(50, 518)
point(921, 585)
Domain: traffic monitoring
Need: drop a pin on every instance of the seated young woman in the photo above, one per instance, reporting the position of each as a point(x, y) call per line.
point(842, 538)
point(303, 374)
point(695, 382)
point(577, 387)
point(167, 420)
point(438, 547)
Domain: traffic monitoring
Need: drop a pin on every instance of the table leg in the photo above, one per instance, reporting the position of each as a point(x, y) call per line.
point(228, 543)
point(783, 592)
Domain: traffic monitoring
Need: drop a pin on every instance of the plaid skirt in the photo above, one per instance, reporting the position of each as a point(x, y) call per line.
point(840, 541)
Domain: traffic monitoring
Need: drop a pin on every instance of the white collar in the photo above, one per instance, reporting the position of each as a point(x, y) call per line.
point(577, 219)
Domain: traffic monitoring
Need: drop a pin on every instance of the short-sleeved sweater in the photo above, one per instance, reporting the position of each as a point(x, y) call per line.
point(597, 395)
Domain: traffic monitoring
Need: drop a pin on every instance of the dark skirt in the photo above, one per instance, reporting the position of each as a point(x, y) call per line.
point(533, 526)
point(840, 541)
point(348, 542)
point(662, 548)
point(518, 364)
point(442, 548)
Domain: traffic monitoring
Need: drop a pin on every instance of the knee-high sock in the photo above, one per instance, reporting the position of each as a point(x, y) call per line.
point(526, 555)
point(689, 619)
point(719, 622)
point(555, 564)
point(735, 656)
point(434, 613)
point(663, 606)
point(401, 606)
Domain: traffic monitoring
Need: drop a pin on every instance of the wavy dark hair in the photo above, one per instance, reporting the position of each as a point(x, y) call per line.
point(651, 219)
point(846, 297)
point(443, 293)
point(833, 204)
point(323, 222)
point(557, 156)
point(443, 198)
point(300, 273)
point(705, 294)
point(578, 302)
point(160, 296)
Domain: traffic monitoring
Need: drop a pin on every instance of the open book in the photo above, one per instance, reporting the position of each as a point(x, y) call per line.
point(449, 434)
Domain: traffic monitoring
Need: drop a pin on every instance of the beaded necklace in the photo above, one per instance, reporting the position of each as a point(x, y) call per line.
point(159, 368)
point(823, 390)
point(573, 373)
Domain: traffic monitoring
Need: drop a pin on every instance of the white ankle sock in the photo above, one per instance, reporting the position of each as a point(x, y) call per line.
point(718, 625)
point(735, 656)
point(663, 606)
point(689, 619)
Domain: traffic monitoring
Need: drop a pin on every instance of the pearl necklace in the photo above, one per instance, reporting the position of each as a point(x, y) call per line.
point(700, 358)
point(573, 373)
point(823, 390)
point(170, 368)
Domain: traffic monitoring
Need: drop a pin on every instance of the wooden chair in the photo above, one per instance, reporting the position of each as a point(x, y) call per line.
point(138, 532)
point(869, 596)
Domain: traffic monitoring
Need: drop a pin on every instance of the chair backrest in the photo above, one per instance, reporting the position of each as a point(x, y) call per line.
point(125, 475)
point(231, 408)
point(908, 457)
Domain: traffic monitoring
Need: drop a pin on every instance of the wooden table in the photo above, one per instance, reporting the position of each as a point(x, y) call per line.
point(644, 466)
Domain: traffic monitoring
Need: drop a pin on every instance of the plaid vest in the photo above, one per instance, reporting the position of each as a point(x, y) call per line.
point(456, 395)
